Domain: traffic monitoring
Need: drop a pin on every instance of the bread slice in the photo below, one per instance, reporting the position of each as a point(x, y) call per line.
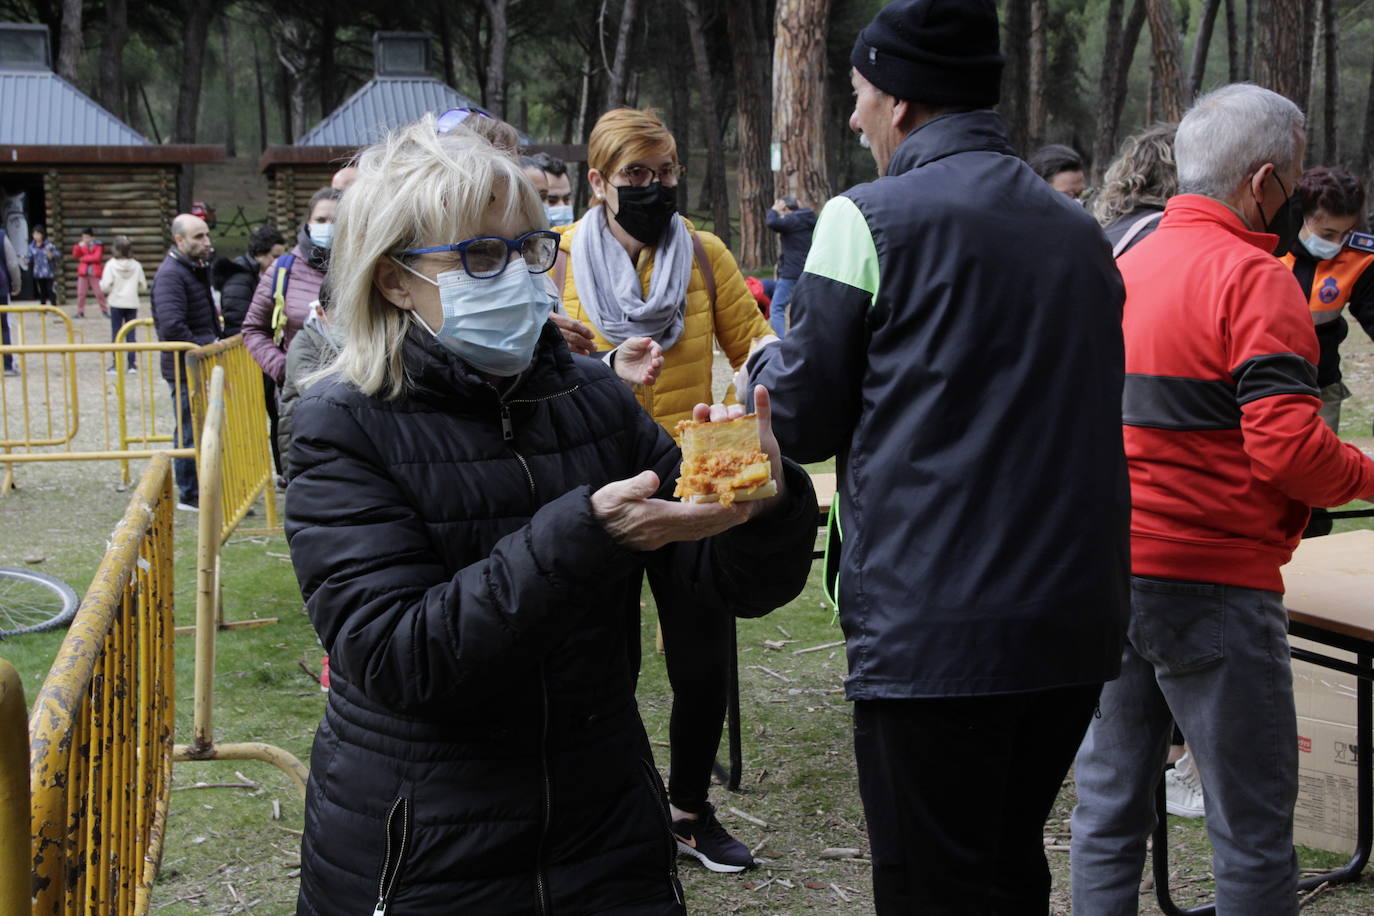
point(723, 462)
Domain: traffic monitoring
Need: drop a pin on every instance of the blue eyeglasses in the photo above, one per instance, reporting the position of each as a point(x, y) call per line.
point(455, 116)
point(487, 256)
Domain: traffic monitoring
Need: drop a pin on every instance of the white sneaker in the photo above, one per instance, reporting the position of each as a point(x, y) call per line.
point(1183, 789)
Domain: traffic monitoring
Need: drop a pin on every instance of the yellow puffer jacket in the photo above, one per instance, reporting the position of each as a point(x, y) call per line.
point(733, 319)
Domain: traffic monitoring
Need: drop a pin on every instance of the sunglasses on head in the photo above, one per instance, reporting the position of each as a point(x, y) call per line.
point(455, 116)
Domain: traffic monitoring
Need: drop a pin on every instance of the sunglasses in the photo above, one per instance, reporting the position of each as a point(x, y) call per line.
point(487, 256)
point(455, 116)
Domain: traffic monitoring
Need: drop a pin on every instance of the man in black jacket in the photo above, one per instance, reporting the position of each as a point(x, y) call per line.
point(793, 224)
point(184, 310)
point(956, 343)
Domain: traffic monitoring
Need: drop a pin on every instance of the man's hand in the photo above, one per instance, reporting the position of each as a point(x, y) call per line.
point(639, 360)
point(763, 406)
point(779, 205)
point(579, 337)
point(636, 521)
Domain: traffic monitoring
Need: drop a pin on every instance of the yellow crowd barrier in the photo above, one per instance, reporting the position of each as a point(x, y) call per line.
point(100, 734)
point(15, 850)
point(247, 468)
point(212, 455)
point(62, 407)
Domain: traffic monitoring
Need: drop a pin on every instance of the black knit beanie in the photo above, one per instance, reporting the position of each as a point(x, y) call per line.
point(940, 52)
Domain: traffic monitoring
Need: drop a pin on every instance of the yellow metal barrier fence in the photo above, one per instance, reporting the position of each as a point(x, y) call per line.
point(101, 729)
point(49, 413)
point(247, 469)
point(212, 453)
point(15, 851)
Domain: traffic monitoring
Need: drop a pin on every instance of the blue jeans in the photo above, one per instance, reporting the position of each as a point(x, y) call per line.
point(1216, 659)
point(777, 312)
point(184, 469)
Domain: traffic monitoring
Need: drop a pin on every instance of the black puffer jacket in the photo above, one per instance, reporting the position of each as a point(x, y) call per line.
point(235, 281)
point(481, 751)
point(182, 307)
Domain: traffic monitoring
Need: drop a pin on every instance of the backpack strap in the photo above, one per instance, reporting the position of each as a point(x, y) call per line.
point(282, 279)
point(1137, 227)
point(704, 263)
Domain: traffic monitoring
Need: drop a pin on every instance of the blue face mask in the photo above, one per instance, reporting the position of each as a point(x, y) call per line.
point(322, 234)
point(1320, 248)
point(560, 215)
point(491, 324)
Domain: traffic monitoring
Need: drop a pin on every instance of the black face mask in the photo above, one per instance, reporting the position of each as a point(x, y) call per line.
point(1286, 223)
point(645, 212)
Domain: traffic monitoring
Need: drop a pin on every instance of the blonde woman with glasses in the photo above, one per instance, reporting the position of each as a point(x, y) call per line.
point(470, 512)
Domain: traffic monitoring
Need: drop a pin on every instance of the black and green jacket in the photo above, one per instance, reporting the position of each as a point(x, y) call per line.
point(956, 343)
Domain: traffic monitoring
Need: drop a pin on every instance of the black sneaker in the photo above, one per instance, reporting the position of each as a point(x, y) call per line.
point(705, 839)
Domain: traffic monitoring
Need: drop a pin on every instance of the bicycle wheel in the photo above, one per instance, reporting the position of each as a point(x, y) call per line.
point(32, 602)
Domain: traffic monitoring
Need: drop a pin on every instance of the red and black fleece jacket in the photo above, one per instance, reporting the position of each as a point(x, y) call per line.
point(1225, 447)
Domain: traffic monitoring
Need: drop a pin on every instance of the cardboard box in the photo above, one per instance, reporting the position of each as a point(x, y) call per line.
point(1325, 815)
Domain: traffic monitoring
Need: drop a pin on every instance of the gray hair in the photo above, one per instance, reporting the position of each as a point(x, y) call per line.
point(1231, 132)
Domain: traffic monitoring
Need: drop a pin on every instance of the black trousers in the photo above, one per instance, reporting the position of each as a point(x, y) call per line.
point(696, 644)
point(956, 791)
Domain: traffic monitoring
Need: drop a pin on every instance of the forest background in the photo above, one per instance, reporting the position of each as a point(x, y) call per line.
point(757, 91)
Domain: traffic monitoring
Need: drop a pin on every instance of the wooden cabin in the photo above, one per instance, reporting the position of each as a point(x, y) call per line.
point(68, 164)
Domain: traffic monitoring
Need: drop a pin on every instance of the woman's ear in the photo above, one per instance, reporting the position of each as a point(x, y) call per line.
point(598, 184)
point(389, 280)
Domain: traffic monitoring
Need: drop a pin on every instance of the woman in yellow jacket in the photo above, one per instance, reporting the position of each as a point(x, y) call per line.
point(632, 267)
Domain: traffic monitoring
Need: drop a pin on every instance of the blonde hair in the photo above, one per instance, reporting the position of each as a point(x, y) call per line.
point(1143, 174)
point(414, 189)
point(624, 135)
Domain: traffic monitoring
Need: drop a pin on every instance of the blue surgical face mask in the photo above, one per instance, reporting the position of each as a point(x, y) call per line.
point(322, 234)
point(1320, 248)
point(491, 324)
point(559, 215)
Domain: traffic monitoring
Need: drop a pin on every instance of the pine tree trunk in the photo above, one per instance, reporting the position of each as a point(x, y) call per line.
point(720, 197)
point(1016, 99)
point(262, 100)
point(194, 36)
point(1130, 39)
point(1202, 45)
point(680, 120)
point(1282, 48)
point(799, 99)
point(231, 106)
point(494, 99)
point(111, 90)
point(1331, 54)
point(1038, 112)
point(616, 79)
point(1232, 45)
point(71, 46)
point(1168, 57)
point(1249, 39)
point(328, 64)
point(754, 121)
point(1367, 144)
point(1104, 142)
point(446, 45)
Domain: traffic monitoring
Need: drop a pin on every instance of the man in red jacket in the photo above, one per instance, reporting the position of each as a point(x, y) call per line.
point(89, 255)
point(1226, 452)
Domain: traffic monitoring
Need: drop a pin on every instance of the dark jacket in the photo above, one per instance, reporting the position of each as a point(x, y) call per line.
point(479, 623)
point(795, 230)
point(1116, 230)
point(1331, 333)
point(958, 346)
point(182, 306)
point(235, 281)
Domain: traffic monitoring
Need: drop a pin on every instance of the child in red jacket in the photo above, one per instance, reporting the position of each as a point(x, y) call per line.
point(89, 254)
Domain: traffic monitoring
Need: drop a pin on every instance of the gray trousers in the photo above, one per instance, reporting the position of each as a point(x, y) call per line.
point(1216, 659)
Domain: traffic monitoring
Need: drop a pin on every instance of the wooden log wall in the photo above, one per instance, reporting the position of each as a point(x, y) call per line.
point(289, 189)
point(133, 200)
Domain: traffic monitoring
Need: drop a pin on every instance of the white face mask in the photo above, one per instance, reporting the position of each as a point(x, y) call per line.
point(1320, 248)
point(559, 215)
point(491, 324)
point(322, 234)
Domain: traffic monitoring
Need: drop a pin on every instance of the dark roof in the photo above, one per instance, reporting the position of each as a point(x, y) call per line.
point(383, 104)
point(42, 109)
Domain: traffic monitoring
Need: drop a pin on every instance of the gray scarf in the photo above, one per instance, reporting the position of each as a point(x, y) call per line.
point(609, 287)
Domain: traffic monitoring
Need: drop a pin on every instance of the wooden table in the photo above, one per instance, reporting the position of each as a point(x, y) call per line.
point(1330, 598)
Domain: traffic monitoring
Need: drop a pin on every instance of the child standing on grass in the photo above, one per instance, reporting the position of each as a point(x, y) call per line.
point(122, 281)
